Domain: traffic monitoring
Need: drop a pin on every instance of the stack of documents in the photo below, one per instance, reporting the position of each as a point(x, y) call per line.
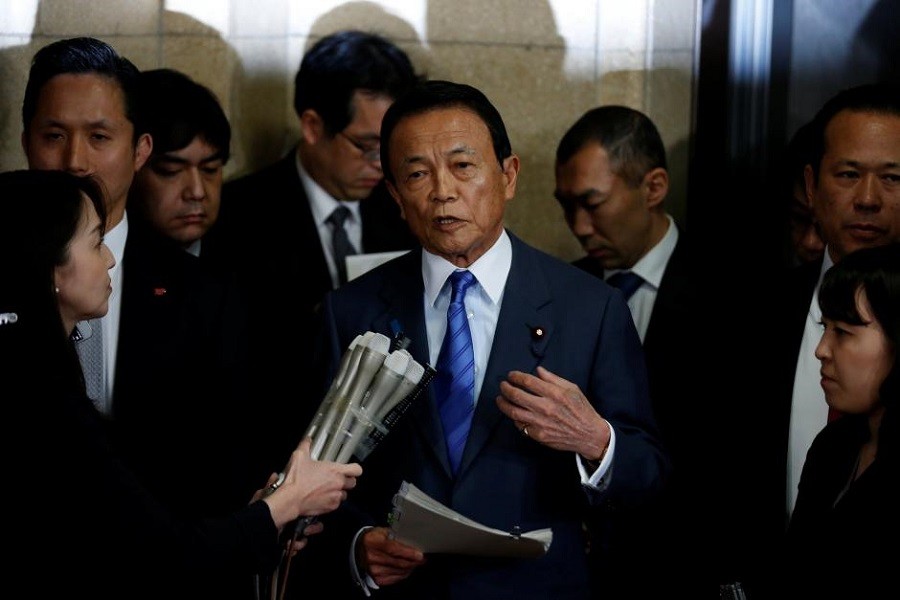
point(423, 522)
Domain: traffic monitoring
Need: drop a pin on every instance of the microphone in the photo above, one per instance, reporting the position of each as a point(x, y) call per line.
point(411, 379)
point(343, 369)
point(415, 380)
point(383, 385)
point(336, 404)
point(370, 361)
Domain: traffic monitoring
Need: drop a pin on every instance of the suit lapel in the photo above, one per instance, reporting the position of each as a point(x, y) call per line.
point(309, 254)
point(672, 297)
point(523, 333)
point(404, 309)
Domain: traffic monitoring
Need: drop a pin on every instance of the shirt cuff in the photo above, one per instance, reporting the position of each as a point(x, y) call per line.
point(363, 580)
point(600, 478)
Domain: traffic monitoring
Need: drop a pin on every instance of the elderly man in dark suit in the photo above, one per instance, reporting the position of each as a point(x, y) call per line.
point(547, 418)
point(612, 182)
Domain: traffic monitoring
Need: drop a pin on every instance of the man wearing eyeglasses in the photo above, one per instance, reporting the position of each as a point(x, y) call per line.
point(288, 226)
point(324, 200)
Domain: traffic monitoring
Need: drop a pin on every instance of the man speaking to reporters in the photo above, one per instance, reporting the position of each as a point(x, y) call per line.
point(539, 411)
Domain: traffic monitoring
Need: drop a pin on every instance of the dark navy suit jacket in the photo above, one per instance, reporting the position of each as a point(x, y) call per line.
point(180, 411)
point(671, 537)
point(506, 480)
point(178, 401)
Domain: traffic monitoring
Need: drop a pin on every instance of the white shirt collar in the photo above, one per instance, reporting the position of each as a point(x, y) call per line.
point(115, 240)
point(491, 270)
point(194, 247)
point(652, 265)
point(814, 309)
point(321, 203)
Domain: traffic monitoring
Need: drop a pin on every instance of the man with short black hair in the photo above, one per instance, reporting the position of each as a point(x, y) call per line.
point(612, 181)
point(165, 371)
point(538, 413)
point(178, 191)
point(288, 227)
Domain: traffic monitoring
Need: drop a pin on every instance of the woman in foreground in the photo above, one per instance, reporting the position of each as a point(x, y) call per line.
point(83, 522)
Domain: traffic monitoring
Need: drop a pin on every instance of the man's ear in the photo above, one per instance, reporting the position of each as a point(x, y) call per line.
point(511, 166)
point(657, 185)
point(809, 178)
point(142, 151)
point(396, 196)
point(312, 128)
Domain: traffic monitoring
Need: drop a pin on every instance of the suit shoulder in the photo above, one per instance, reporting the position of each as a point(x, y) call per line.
point(559, 271)
point(589, 265)
point(250, 183)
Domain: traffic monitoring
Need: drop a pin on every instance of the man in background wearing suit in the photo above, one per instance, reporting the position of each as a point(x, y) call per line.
point(555, 420)
point(612, 182)
point(176, 195)
point(853, 187)
point(165, 373)
point(345, 83)
point(178, 191)
point(288, 226)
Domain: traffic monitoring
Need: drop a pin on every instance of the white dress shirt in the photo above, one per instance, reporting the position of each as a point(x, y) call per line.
point(115, 240)
point(483, 301)
point(322, 204)
point(809, 410)
point(651, 268)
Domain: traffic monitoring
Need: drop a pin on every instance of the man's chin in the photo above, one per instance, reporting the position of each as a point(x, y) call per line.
point(604, 258)
point(187, 236)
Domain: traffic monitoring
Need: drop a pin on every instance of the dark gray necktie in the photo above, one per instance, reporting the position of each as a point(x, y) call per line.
point(340, 243)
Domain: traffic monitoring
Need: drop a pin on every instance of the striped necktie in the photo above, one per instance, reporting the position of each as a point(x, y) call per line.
point(454, 383)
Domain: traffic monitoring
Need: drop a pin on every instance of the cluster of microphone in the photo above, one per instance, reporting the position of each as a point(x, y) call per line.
point(377, 381)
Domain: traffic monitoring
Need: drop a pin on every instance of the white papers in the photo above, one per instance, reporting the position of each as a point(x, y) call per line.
point(357, 264)
point(421, 521)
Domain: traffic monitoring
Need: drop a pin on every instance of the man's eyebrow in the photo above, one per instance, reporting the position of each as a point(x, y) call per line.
point(415, 158)
point(456, 150)
point(461, 149)
point(102, 123)
point(172, 158)
point(856, 164)
point(580, 197)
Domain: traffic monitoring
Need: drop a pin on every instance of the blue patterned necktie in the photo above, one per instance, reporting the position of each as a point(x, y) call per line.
point(454, 383)
point(626, 281)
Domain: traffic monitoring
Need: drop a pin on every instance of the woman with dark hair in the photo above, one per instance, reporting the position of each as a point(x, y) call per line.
point(86, 524)
point(848, 507)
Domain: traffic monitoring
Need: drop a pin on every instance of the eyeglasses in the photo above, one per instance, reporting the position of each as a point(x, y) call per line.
point(371, 152)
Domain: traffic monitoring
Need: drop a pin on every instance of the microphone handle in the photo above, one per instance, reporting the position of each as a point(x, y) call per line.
point(302, 524)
